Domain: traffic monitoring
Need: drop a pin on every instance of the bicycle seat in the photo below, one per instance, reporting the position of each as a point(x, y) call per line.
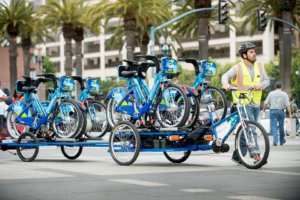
point(51, 90)
point(207, 101)
point(128, 74)
point(29, 89)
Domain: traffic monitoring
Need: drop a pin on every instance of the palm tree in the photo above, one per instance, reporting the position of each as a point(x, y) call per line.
point(129, 11)
point(287, 8)
point(272, 8)
point(13, 18)
point(198, 24)
point(62, 18)
point(91, 20)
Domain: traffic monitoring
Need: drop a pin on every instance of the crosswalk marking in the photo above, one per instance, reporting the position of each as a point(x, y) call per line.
point(196, 190)
point(137, 182)
point(251, 198)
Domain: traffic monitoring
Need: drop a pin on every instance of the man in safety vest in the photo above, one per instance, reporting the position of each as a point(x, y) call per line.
point(245, 75)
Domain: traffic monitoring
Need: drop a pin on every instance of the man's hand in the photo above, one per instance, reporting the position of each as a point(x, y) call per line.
point(257, 87)
point(227, 86)
point(290, 116)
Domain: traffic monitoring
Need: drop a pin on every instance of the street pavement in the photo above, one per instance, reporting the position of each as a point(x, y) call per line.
point(205, 175)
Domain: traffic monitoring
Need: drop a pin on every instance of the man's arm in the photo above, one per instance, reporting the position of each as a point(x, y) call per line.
point(4, 98)
point(266, 103)
point(264, 83)
point(230, 74)
point(290, 113)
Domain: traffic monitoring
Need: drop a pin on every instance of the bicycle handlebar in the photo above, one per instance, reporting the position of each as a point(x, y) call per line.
point(52, 77)
point(80, 81)
point(153, 58)
point(193, 61)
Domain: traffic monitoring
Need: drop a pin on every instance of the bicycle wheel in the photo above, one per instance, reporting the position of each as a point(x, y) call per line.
point(177, 156)
point(99, 122)
point(114, 117)
point(14, 129)
point(27, 153)
point(194, 112)
point(177, 113)
point(72, 125)
point(220, 106)
point(71, 152)
point(254, 154)
point(124, 143)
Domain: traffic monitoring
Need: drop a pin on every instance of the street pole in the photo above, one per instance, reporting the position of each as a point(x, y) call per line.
point(40, 61)
point(297, 74)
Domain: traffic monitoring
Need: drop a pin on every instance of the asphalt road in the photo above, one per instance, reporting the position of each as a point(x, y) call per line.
point(205, 175)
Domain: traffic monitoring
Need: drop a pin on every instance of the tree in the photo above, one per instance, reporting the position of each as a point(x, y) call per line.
point(273, 8)
point(13, 18)
point(128, 11)
point(198, 24)
point(48, 68)
point(62, 17)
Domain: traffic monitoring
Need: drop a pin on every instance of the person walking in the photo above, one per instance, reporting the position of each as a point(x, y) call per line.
point(295, 113)
point(278, 101)
point(245, 75)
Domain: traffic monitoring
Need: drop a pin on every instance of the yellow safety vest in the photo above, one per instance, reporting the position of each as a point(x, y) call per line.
point(243, 82)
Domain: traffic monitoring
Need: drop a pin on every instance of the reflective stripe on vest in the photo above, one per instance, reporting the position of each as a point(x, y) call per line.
point(243, 82)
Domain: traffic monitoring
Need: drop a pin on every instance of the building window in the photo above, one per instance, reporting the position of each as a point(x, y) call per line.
point(111, 23)
point(219, 51)
point(190, 53)
point(109, 48)
point(56, 65)
point(92, 47)
point(258, 48)
point(246, 31)
point(53, 51)
point(218, 31)
point(187, 38)
point(32, 73)
point(88, 33)
point(32, 59)
point(276, 47)
point(55, 37)
point(35, 4)
point(92, 63)
point(113, 61)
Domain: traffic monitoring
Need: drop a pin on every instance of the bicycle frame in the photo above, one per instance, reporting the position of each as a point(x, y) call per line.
point(136, 91)
point(42, 117)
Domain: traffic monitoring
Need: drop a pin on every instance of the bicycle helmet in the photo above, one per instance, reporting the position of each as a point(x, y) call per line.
point(245, 47)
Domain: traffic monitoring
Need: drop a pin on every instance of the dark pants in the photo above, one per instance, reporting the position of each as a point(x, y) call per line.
point(277, 116)
point(297, 122)
point(1, 122)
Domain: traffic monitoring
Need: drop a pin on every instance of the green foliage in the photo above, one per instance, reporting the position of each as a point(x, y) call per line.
point(48, 68)
point(186, 77)
point(107, 86)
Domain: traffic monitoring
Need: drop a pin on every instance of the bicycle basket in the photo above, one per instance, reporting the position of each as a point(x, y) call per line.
point(93, 85)
point(19, 85)
point(122, 68)
point(169, 66)
point(66, 84)
point(209, 68)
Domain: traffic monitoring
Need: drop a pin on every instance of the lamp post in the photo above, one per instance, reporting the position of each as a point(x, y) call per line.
point(276, 66)
point(165, 49)
point(297, 74)
point(40, 61)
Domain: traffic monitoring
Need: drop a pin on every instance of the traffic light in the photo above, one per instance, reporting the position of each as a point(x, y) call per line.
point(223, 12)
point(261, 20)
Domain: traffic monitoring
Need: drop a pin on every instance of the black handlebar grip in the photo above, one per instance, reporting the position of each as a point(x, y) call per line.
point(180, 59)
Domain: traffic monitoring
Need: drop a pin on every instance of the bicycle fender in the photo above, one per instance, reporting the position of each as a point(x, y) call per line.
point(192, 91)
point(18, 107)
point(117, 94)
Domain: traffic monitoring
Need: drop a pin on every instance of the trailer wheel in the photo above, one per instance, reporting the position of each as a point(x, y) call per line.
point(27, 153)
point(71, 152)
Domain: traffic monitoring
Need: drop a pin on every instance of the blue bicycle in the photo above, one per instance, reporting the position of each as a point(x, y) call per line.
point(135, 104)
point(62, 117)
point(251, 140)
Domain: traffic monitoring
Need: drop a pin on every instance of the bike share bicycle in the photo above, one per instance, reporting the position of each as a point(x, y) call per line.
point(251, 140)
point(134, 103)
point(62, 118)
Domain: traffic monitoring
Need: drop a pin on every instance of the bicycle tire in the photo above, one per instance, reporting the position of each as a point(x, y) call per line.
point(177, 160)
point(132, 136)
point(186, 109)
point(83, 124)
point(106, 125)
point(248, 160)
point(194, 112)
point(21, 151)
point(218, 90)
point(68, 154)
point(78, 129)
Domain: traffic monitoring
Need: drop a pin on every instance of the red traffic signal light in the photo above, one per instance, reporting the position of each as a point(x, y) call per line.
point(223, 12)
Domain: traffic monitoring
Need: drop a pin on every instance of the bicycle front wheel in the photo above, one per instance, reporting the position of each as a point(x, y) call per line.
point(174, 112)
point(253, 154)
